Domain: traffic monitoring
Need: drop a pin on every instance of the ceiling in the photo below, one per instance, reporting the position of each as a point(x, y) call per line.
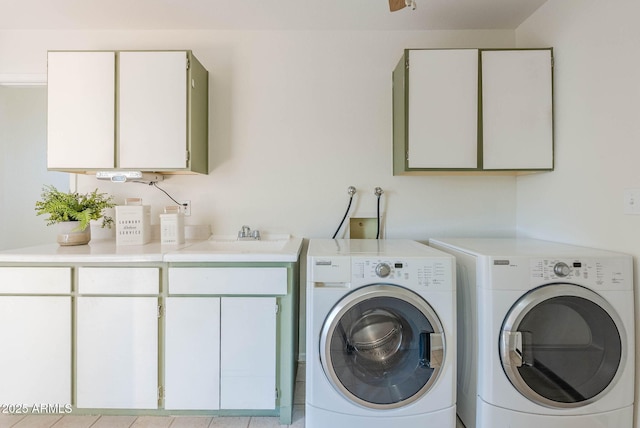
point(263, 14)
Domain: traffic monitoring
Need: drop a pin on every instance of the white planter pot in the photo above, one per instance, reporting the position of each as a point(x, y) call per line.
point(70, 234)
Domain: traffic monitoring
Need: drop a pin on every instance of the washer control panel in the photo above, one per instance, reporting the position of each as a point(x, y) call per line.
point(587, 271)
point(432, 273)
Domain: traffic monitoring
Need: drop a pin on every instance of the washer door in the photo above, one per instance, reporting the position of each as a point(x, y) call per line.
point(382, 346)
point(562, 345)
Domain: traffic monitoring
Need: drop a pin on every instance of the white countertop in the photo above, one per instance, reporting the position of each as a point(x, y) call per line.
point(106, 251)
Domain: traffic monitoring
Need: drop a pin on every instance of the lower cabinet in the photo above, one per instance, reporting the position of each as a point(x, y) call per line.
point(220, 353)
point(192, 353)
point(213, 339)
point(221, 338)
point(35, 361)
point(117, 338)
point(248, 353)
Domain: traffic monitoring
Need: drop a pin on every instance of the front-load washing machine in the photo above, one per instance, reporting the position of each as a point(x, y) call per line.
point(380, 342)
point(546, 334)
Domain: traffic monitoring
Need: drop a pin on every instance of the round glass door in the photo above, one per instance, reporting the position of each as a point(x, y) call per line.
point(561, 345)
point(382, 346)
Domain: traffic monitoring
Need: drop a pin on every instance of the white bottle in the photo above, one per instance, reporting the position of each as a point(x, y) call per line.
point(172, 226)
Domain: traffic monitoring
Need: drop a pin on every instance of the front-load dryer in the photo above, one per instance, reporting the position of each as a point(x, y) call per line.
point(380, 343)
point(546, 334)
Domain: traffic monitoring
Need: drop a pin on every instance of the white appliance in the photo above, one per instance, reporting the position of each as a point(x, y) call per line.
point(545, 334)
point(380, 335)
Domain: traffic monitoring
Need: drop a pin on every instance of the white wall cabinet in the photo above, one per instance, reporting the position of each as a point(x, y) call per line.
point(143, 110)
point(473, 110)
point(117, 338)
point(35, 362)
point(517, 109)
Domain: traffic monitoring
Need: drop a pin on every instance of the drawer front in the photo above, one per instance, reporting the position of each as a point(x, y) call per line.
point(228, 281)
point(35, 280)
point(118, 280)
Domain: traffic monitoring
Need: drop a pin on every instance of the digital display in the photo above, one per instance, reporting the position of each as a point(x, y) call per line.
point(577, 264)
point(398, 265)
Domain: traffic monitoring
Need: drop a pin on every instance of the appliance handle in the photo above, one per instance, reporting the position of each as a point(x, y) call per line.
point(514, 351)
point(431, 349)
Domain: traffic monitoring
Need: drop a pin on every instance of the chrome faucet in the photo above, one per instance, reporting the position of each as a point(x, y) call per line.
point(246, 234)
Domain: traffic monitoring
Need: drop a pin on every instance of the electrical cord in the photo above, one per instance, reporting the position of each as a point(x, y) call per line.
point(154, 184)
point(351, 191)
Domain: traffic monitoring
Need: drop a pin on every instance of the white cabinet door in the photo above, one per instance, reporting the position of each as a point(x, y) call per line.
point(517, 109)
point(192, 353)
point(35, 361)
point(152, 111)
point(443, 108)
point(248, 353)
point(81, 110)
point(117, 352)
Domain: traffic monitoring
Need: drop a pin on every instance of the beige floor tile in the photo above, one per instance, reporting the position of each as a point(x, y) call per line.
point(265, 422)
point(301, 373)
point(299, 393)
point(191, 422)
point(76, 421)
point(230, 422)
point(298, 417)
point(114, 422)
point(152, 422)
point(7, 420)
point(38, 421)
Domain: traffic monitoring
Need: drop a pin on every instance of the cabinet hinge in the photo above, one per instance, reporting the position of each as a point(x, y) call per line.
point(160, 393)
point(407, 155)
point(160, 311)
point(188, 62)
point(277, 309)
point(553, 61)
point(277, 394)
point(406, 63)
point(187, 156)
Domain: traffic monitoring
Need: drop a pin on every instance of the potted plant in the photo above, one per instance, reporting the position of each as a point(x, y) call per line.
point(73, 212)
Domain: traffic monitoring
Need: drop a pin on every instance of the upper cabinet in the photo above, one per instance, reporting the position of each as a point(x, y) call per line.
point(473, 110)
point(141, 110)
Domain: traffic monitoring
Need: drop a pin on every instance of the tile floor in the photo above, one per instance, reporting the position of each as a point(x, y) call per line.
point(107, 421)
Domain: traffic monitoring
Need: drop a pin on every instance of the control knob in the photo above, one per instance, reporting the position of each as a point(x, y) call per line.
point(561, 269)
point(383, 270)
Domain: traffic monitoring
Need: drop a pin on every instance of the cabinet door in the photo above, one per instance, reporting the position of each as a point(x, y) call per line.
point(117, 352)
point(517, 109)
point(192, 353)
point(81, 110)
point(248, 353)
point(442, 109)
point(152, 112)
point(35, 362)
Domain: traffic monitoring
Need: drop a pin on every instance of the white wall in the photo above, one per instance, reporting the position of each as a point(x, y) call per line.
point(597, 116)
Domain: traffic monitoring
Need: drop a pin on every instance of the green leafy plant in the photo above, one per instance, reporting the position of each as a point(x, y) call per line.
point(73, 206)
